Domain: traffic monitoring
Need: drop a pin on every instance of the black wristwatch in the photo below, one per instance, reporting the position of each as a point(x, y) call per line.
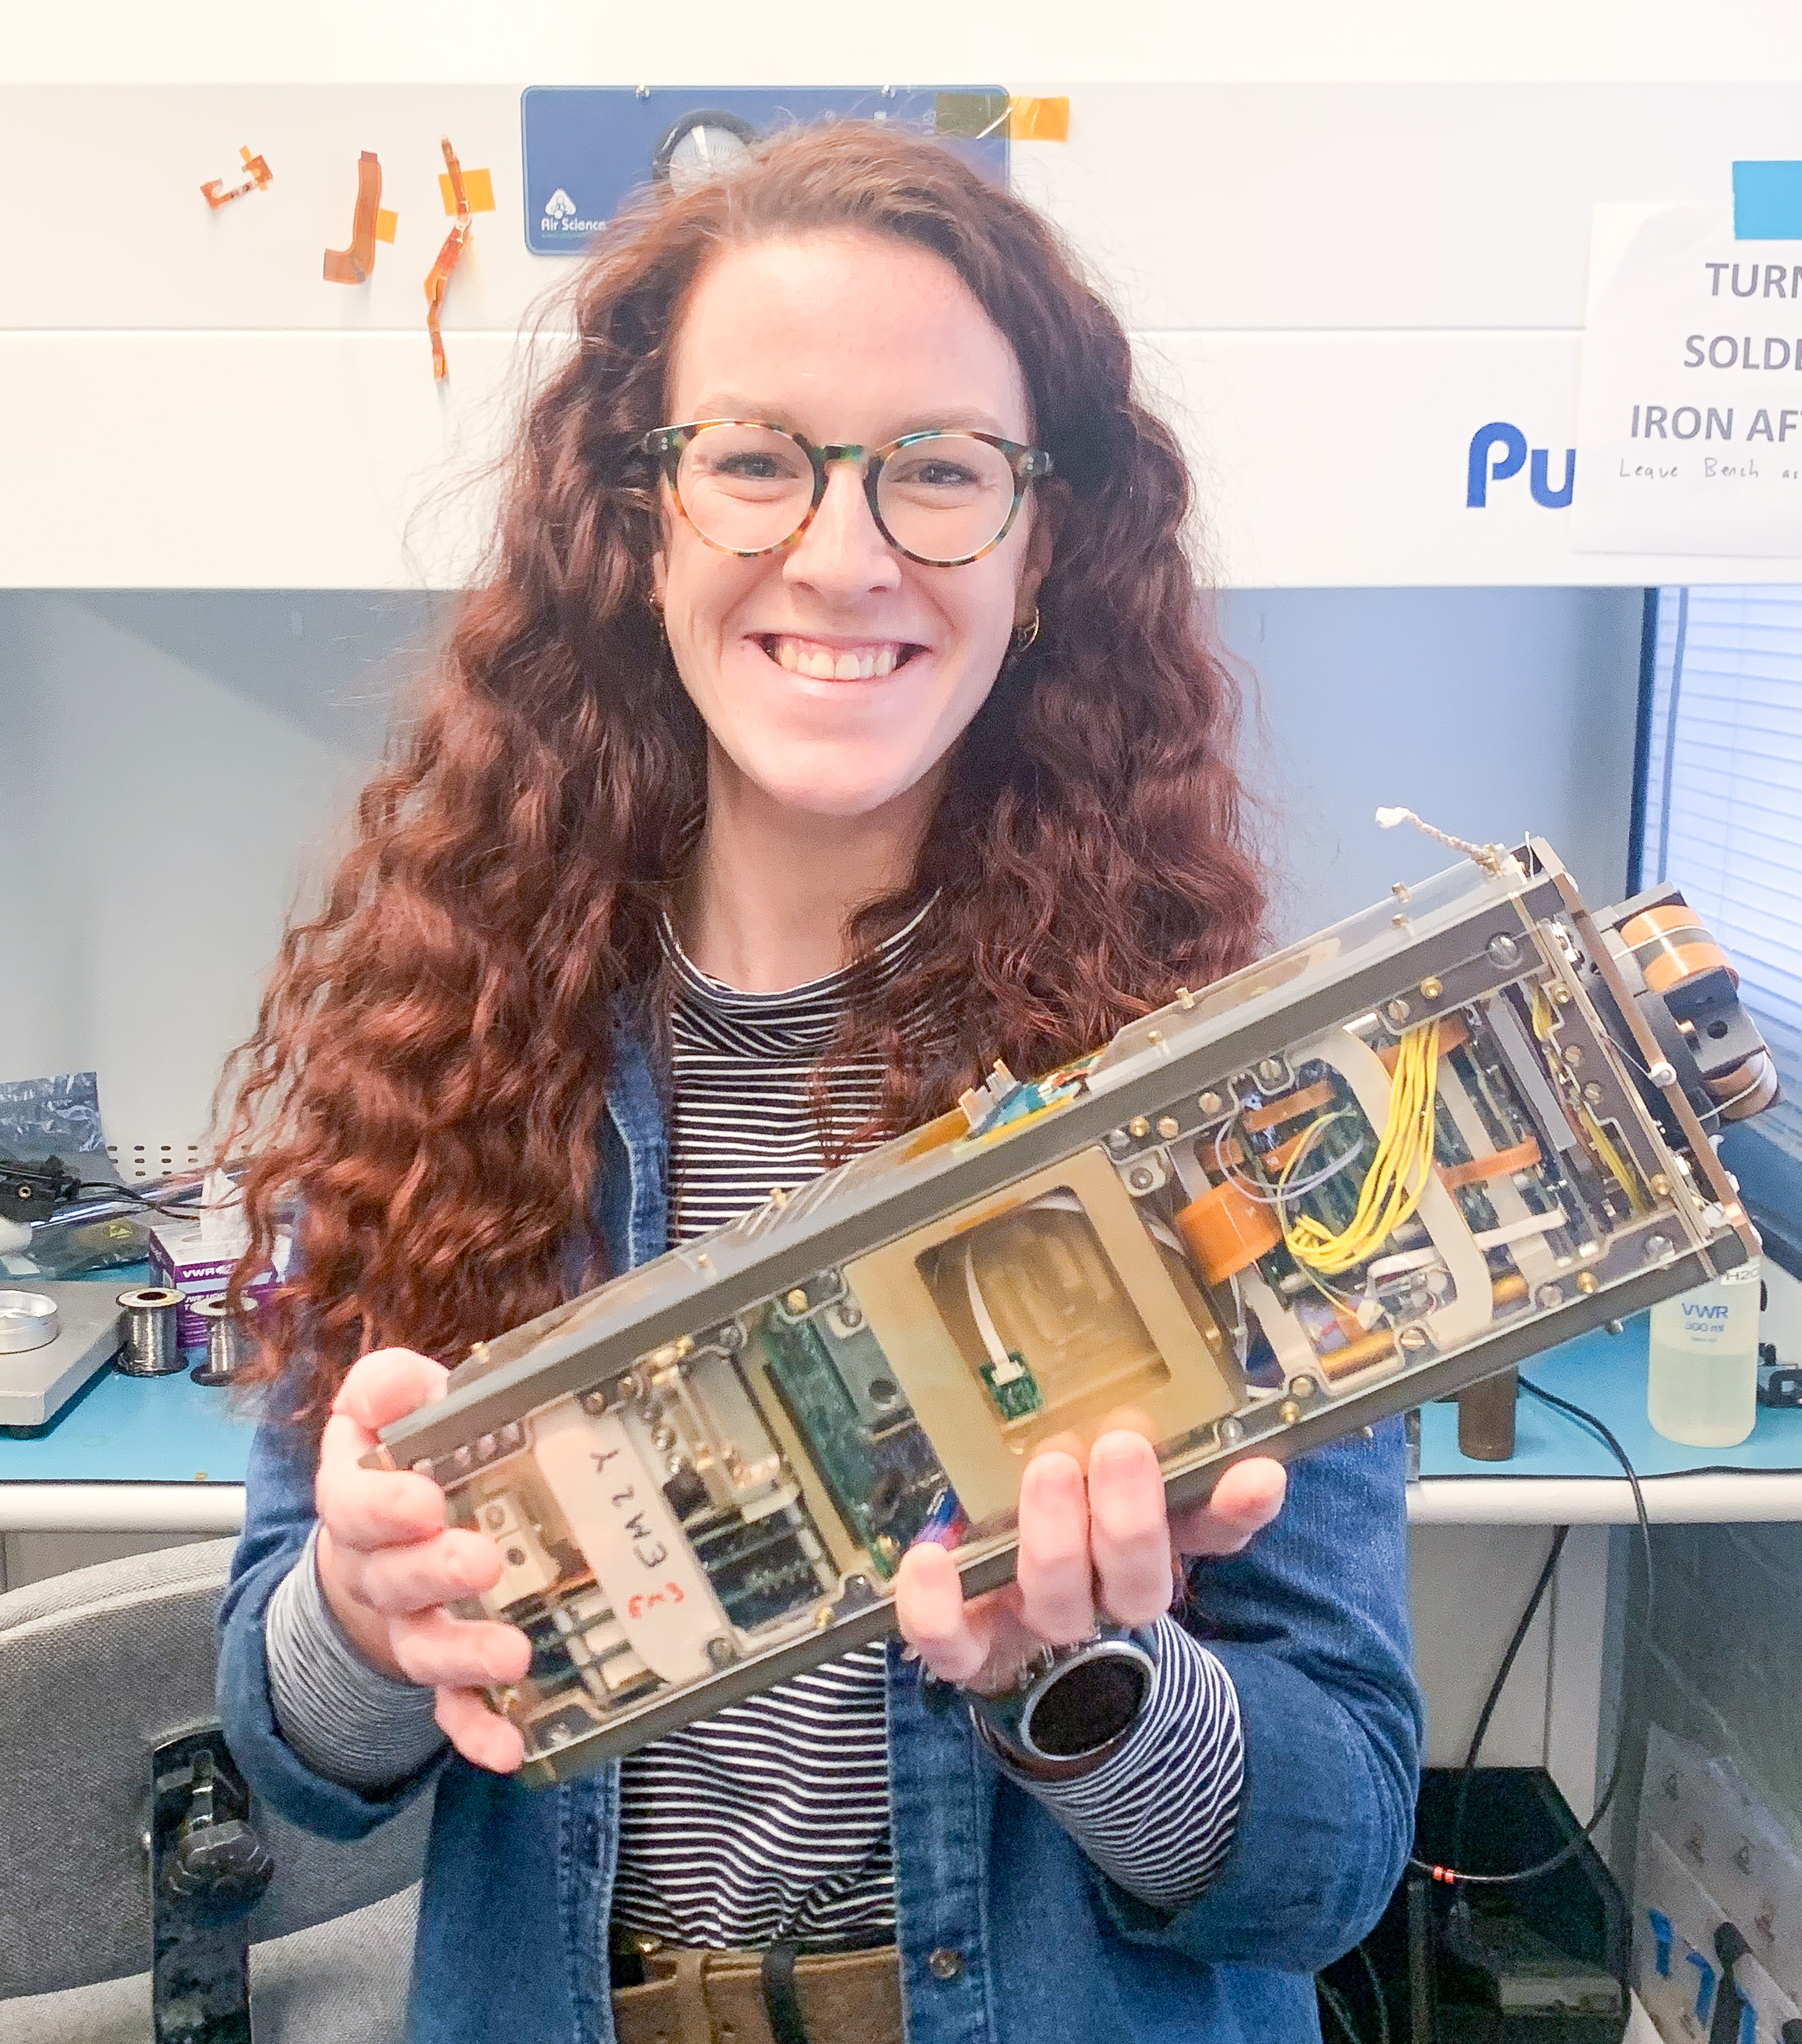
point(1071, 1707)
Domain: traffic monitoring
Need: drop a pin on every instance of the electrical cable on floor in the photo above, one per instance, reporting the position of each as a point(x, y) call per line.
point(1376, 1980)
point(1332, 1997)
point(1452, 1876)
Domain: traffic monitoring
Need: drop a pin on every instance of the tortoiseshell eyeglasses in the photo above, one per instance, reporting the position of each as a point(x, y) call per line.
point(943, 498)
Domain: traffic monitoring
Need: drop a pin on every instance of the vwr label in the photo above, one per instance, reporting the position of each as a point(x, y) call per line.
point(629, 1538)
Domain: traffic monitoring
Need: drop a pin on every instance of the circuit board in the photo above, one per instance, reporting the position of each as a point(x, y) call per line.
point(1380, 1164)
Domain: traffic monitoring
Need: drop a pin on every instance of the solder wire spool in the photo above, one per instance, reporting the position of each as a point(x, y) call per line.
point(228, 1340)
point(147, 1344)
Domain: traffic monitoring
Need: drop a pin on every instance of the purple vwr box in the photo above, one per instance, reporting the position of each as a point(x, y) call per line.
point(180, 1256)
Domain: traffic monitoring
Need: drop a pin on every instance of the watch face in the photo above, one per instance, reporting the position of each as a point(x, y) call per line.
point(703, 145)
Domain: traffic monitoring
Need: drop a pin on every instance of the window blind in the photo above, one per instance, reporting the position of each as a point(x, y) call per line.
point(1722, 799)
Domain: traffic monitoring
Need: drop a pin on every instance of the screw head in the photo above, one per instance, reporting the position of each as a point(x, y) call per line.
point(1209, 1103)
point(1659, 1185)
point(1398, 920)
point(1430, 989)
point(1656, 1246)
point(1141, 1179)
point(721, 1651)
point(1289, 1411)
point(1230, 1432)
point(795, 1300)
point(1587, 1282)
point(1169, 1126)
point(1302, 1387)
point(1138, 1128)
point(1573, 1055)
point(1549, 1296)
point(1502, 949)
point(1398, 1011)
point(1592, 1093)
point(1560, 994)
point(1272, 1071)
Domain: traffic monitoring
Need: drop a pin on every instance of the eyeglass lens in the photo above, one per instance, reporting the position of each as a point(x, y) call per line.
point(748, 488)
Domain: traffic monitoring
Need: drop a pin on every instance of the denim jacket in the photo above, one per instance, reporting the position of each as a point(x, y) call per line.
point(1007, 1933)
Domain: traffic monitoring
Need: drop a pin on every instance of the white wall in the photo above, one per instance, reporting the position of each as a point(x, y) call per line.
point(174, 763)
point(1491, 712)
point(181, 760)
point(825, 42)
point(1339, 271)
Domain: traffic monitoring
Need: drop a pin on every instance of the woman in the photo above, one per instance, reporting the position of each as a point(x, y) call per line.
point(788, 767)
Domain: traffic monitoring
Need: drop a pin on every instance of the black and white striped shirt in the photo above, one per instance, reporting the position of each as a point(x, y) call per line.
point(769, 1819)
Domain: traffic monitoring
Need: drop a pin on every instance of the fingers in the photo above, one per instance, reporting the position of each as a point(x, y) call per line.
point(1129, 1530)
point(370, 1509)
point(396, 1579)
point(433, 1649)
point(1054, 1571)
point(387, 1385)
point(951, 1637)
point(1247, 1498)
point(483, 1738)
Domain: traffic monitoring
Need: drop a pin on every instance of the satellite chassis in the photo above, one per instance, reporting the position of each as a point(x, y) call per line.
point(1384, 1163)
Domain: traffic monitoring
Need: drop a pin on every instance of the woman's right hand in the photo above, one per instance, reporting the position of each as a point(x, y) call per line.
point(388, 1564)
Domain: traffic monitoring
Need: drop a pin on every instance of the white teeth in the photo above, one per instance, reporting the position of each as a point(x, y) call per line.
point(801, 656)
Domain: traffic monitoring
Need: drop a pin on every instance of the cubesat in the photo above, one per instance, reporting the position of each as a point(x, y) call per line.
point(1365, 1172)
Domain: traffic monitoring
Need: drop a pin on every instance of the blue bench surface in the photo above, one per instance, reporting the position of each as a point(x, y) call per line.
point(169, 1430)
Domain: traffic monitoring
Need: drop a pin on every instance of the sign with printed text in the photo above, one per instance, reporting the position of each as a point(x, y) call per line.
point(1689, 425)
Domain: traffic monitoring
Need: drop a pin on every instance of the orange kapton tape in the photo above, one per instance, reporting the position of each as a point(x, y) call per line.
point(356, 264)
point(479, 191)
point(1498, 1164)
point(1039, 119)
point(1672, 947)
point(257, 174)
point(1227, 1232)
point(438, 277)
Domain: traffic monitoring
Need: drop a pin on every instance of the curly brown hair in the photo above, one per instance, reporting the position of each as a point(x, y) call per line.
point(429, 1065)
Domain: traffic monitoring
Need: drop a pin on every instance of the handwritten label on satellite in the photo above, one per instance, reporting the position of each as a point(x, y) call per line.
point(616, 1510)
point(1689, 426)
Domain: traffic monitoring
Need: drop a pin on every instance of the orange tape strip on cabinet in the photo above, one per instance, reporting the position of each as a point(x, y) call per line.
point(356, 264)
point(257, 174)
point(438, 277)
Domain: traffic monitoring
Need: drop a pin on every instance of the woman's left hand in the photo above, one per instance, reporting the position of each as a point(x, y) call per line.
point(1096, 1543)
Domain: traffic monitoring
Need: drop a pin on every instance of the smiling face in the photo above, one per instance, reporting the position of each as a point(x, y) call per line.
point(833, 675)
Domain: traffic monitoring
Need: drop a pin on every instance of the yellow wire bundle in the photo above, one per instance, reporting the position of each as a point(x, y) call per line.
point(1398, 1173)
point(1545, 1020)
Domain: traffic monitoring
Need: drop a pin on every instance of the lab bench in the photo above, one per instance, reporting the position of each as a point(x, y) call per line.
point(137, 1462)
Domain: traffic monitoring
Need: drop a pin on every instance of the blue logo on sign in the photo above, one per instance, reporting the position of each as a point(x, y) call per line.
point(1498, 451)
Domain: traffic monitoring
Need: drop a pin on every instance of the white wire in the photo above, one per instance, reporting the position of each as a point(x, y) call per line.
point(1248, 1186)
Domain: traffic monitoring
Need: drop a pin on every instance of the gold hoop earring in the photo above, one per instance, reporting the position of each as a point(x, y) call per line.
point(1025, 634)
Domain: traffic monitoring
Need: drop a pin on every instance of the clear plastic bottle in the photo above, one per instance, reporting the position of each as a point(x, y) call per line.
point(1703, 1389)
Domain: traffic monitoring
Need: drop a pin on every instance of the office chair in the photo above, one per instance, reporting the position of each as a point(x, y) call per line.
point(100, 1669)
